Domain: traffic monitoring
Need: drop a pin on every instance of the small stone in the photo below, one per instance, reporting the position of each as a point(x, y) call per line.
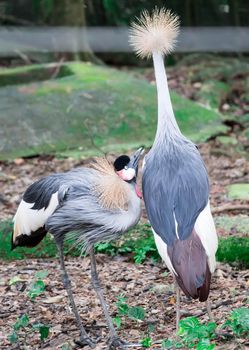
point(197, 85)
point(19, 161)
point(225, 107)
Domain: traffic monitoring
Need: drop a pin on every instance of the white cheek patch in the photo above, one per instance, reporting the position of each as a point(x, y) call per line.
point(127, 174)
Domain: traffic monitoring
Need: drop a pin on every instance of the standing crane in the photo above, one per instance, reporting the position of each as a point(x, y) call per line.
point(88, 205)
point(175, 181)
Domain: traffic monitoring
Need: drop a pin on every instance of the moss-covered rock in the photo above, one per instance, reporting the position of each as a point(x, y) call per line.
point(95, 105)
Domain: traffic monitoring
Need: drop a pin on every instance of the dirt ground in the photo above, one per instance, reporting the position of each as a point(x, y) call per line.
point(145, 285)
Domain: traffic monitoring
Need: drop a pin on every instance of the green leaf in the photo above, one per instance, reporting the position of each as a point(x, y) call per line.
point(117, 320)
point(41, 274)
point(187, 324)
point(146, 342)
point(43, 330)
point(36, 288)
point(21, 322)
point(14, 280)
point(167, 344)
point(136, 313)
point(238, 322)
point(204, 344)
point(13, 337)
point(151, 327)
point(121, 305)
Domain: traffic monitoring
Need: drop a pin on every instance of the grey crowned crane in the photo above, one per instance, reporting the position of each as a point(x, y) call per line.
point(88, 205)
point(174, 180)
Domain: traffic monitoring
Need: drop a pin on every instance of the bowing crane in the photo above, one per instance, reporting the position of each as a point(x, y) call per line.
point(174, 180)
point(89, 205)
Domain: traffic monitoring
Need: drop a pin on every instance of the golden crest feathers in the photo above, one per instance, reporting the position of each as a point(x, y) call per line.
point(111, 190)
point(154, 33)
point(103, 165)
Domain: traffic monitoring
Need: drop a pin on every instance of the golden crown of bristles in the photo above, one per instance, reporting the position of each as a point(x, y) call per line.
point(111, 190)
point(154, 33)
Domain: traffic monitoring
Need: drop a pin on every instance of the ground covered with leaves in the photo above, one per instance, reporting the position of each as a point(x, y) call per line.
point(146, 287)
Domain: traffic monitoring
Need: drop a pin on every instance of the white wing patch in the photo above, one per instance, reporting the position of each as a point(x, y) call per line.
point(205, 229)
point(162, 250)
point(27, 220)
point(176, 225)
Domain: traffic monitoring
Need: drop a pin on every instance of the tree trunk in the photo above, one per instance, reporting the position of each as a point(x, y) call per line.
point(71, 13)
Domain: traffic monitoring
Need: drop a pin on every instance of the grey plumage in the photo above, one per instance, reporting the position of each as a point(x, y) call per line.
point(180, 191)
point(79, 210)
point(175, 182)
point(87, 205)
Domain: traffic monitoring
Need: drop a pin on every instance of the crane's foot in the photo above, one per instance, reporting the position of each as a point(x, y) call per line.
point(117, 343)
point(84, 341)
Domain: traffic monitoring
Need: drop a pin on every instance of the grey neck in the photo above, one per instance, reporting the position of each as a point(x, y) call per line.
point(167, 128)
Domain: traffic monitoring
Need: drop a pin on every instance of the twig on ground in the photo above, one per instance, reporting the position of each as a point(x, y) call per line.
point(226, 207)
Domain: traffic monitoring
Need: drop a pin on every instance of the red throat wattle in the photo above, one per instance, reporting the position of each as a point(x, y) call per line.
point(138, 192)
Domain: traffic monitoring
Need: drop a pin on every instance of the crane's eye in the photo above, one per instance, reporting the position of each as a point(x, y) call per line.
point(126, 167)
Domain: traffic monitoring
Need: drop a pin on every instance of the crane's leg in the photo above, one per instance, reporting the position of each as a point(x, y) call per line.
point(209, 310)
point(114, 341)
point(84, 338)
point(178, 311)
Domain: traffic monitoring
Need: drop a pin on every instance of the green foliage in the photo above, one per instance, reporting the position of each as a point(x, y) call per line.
point(238, 322)
point(167, 344)
point(136, 313)
point(124, 310)
point(21, 322)
point(193, 334)
point(22, 327)
point(43, 330)
point(138, 243)
point(146, 342)
point(36, 288)
point(234, 250)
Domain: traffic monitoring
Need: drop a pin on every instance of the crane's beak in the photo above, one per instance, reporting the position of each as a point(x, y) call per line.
point(134, 159)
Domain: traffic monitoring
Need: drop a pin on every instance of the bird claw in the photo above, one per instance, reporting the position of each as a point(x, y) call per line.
point(116, 343)
point(82, 342)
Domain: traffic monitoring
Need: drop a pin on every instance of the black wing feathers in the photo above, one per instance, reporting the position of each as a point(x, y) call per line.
point(41, 191)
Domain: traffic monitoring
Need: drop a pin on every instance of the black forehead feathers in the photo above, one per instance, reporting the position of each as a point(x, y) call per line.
point(121, 162)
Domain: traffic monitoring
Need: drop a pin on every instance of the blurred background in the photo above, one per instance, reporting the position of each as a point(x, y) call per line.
point(71, 88)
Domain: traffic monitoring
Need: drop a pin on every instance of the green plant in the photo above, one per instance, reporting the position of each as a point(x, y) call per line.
point(123, 309)
point(193, 333)
point(146, 342)
point(22, 328)
point(238, 322)
point(37, 286)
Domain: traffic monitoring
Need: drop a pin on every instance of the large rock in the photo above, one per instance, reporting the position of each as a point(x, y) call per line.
point(91, 107)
